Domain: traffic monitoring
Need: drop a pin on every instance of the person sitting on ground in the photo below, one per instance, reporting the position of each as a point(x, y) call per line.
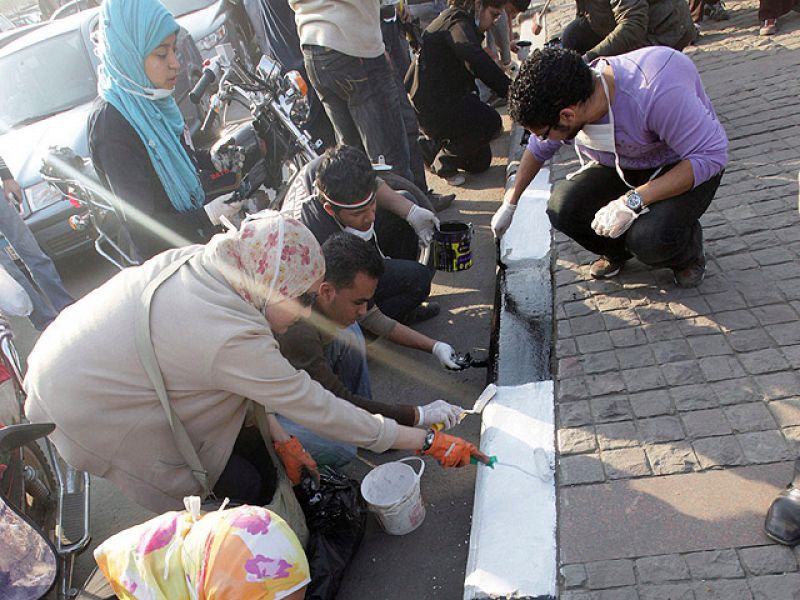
point(213, 312)
point(138, 141)
point(441, 82)
point(613, 27)
point(340, 191)
point(654, 162)
point(330, 346)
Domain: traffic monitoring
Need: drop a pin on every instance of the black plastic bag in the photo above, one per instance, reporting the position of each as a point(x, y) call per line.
point(336, 515)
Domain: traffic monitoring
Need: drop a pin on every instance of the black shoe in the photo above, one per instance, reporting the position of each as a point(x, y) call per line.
point(690, 275)
point(425, 311)
point(440, 201)
point(429, 149)
point(783, 518)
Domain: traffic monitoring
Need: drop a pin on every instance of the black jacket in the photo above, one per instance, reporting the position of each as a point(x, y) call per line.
point(450, 60)
point(123, 166)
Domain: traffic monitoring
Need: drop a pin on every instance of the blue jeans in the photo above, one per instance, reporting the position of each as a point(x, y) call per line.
point(41, 268)
point(361, 99)
point(347, 356)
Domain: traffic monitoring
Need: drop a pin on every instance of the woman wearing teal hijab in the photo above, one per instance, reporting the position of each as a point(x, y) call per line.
point(137, 136)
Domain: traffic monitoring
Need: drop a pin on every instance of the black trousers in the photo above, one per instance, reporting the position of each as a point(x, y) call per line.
point(578, 35)
point(465, 132)
point(249, 477)
point(668, 235)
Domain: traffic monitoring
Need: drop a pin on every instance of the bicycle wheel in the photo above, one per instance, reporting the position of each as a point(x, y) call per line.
point(395, 236)
point(40, 488)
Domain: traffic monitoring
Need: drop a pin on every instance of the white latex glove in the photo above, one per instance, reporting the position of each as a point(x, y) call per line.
point(228, 157)
point(446, 355)
point(424, 223)
point(222, 207)
point(501, 220)
point(439, 412)
point(614, 219)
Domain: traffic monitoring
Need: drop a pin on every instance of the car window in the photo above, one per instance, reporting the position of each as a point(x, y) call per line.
point(46, 78)
point(179, 8)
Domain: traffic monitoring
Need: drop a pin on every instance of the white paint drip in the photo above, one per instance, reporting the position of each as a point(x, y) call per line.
point(513, 541)
point(528, 237)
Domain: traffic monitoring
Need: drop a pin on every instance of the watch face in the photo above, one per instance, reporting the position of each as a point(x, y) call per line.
point(634, 201)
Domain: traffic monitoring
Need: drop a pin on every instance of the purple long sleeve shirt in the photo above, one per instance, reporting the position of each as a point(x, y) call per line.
point(661, 115)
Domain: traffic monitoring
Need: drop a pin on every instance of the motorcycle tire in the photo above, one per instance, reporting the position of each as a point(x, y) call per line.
point(41, 500)
point(408, 249)
point(401, 184)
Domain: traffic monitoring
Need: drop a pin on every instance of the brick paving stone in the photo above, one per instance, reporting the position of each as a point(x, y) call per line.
point(599, 362)
point(706, 423)
point(566, 347)
point(671, 458)
point(594, 342)
point(709, 345)
point(579, 308)
point(569, 367)
point(634, 357)
point(777, 385)
point(571, 389)
point(736, 391)
point(660, 429)
point(605, 383)
point(763, 361)
point(723, 589)
point(672, 351)
point(580, 468)
point(754, 416)
point(588, 324)
point(609, 574)
point(689, 307)
point(694, 397)
point(792, 354)
point(611, 302)
point(735, 319)
point(682, 373)
point(657, 332)
point(785, 334)
point(764, 446)
point(576, 440)
point(776, 587)
point(652, 403)
point(723, 301)
point(717, 368)
point(573, 576)
point(714, 564)
point(574, 414)
point(610, 408)
point(749, 340)
point(624, 338)
point(768, 560)
point(775, 313)
point(624, 463)
point(669, 591)
point(718, 451)
point(662, 569)
point(644, 378)
point(620, 319)
point(617, 435)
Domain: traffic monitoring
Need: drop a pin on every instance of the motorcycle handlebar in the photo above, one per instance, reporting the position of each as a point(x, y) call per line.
point(208, 77)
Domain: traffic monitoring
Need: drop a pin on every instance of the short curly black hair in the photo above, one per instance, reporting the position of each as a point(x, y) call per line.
point(345, 174)
point(549, 80)
point(346, 256)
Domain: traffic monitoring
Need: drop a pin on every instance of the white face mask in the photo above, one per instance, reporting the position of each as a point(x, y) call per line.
point(136, 89)
point(364, 235)
point(598, 137)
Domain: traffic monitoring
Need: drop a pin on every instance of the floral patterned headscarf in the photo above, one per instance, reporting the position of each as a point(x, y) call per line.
point(268, 260)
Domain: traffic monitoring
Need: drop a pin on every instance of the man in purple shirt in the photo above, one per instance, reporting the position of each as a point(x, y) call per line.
point(651, 148)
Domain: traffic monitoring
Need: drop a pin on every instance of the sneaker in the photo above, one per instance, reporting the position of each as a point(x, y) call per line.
point(604, 267)
point(455, 179)
point(425, 311)
point(440, 201)
point(716, 12)
point(429, 149)
point(691, 275)
point(768, 27)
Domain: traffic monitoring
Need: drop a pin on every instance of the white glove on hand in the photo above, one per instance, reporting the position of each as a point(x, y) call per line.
point(446, 355)
point(439, 412)
point(221, 206)
point(501, 220)
point(614, 219)
point(228, 157)
point(424, 223)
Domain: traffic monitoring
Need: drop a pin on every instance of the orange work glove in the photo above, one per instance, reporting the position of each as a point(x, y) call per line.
point(452, 451)
point(294, 457)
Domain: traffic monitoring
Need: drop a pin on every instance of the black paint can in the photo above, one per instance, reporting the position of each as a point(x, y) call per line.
point(451, 246)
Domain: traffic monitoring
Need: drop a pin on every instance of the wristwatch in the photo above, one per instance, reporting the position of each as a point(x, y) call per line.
point(634, 201)
point(428, 440)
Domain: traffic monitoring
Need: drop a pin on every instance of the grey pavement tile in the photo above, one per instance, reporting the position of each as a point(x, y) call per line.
point(573, 576)
point(671, 458)
point(728, 300)
point(736, 262)
point(609, 574)
point(693, 397)
point(566, 347)
point(706, 423)
point(775, 313)
point(617, 435)
point(574, 414)
point(643, 378)
point(568, 367)
point(599, 362)
point(768, 560)
point(667, 591)
point(621, 319)
point(588, 324)
point(723, 589)
point(785, 334)
point(737, 391)
point(735, 320)
point(672, 351)
point(625, 338)
point(652, 403)
point(611, 302)
point(748, 340)
point(714, 564)
point(777, 385)
point(635, 356)
point(579, 468)
point(572, 389)
point(571, 293)
point(790, 289)
point(660, 429)
point(764, 361)
point(792, 354)
point(692, 306)
point(625, 463)
point(773, 256)
point(610, 408)
point(776, 587)
point(685, 372)
point(605, 383)
point(579, 308)
point(718, 451)
point(753, 416)
point(594, 342)
point(671, 330)
point(662, 569)
point(576, 440)
point(764, 446)
point(709, 345)
point(717, 368)
point(654, 313)
point(563, 329)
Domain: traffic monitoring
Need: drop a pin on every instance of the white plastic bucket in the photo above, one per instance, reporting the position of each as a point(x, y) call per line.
point(392, 493)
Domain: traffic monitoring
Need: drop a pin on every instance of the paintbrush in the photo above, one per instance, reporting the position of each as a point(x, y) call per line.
point(486, 396)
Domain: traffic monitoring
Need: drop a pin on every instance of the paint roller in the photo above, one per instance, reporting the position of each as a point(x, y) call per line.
point(537, 20)
point(486, 396)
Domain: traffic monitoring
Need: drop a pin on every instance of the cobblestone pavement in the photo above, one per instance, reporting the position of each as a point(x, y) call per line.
point(653, 380)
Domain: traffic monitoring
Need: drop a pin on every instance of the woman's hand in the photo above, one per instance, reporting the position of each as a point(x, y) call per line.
point(452, 451)
point(294, 457)
point(226, 205)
